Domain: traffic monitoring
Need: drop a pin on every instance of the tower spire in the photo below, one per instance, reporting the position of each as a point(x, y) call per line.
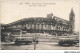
point(72, 21)
point(72, 13)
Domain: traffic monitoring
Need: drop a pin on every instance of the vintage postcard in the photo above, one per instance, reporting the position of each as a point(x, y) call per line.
point(39, 24)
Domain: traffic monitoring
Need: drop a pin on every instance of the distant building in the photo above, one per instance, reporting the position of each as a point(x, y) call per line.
point(51, 24)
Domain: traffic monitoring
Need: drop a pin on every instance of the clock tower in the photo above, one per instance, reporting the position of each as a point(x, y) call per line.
point(72, 21)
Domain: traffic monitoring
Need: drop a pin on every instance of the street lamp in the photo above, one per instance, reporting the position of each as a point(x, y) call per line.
point(34, 39)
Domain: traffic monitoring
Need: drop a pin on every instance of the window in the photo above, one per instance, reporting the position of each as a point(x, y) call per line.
point(31, 26)
point(59, 28)
point(28, 24)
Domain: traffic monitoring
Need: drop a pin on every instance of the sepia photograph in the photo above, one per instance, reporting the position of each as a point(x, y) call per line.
point(39, 24)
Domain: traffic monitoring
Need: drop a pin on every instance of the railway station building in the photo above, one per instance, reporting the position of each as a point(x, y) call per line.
point(50, 24)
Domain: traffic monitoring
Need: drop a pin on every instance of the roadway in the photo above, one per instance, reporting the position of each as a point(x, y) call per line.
point(39, 46)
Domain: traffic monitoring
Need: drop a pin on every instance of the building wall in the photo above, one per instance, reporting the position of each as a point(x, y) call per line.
point(42, 25)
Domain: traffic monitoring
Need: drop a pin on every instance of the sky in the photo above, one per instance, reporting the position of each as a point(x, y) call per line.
point(13, 10)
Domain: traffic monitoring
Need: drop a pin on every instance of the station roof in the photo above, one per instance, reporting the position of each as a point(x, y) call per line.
point(55, 18)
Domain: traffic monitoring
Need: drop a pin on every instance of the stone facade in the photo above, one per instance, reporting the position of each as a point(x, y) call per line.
point(50, 24)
